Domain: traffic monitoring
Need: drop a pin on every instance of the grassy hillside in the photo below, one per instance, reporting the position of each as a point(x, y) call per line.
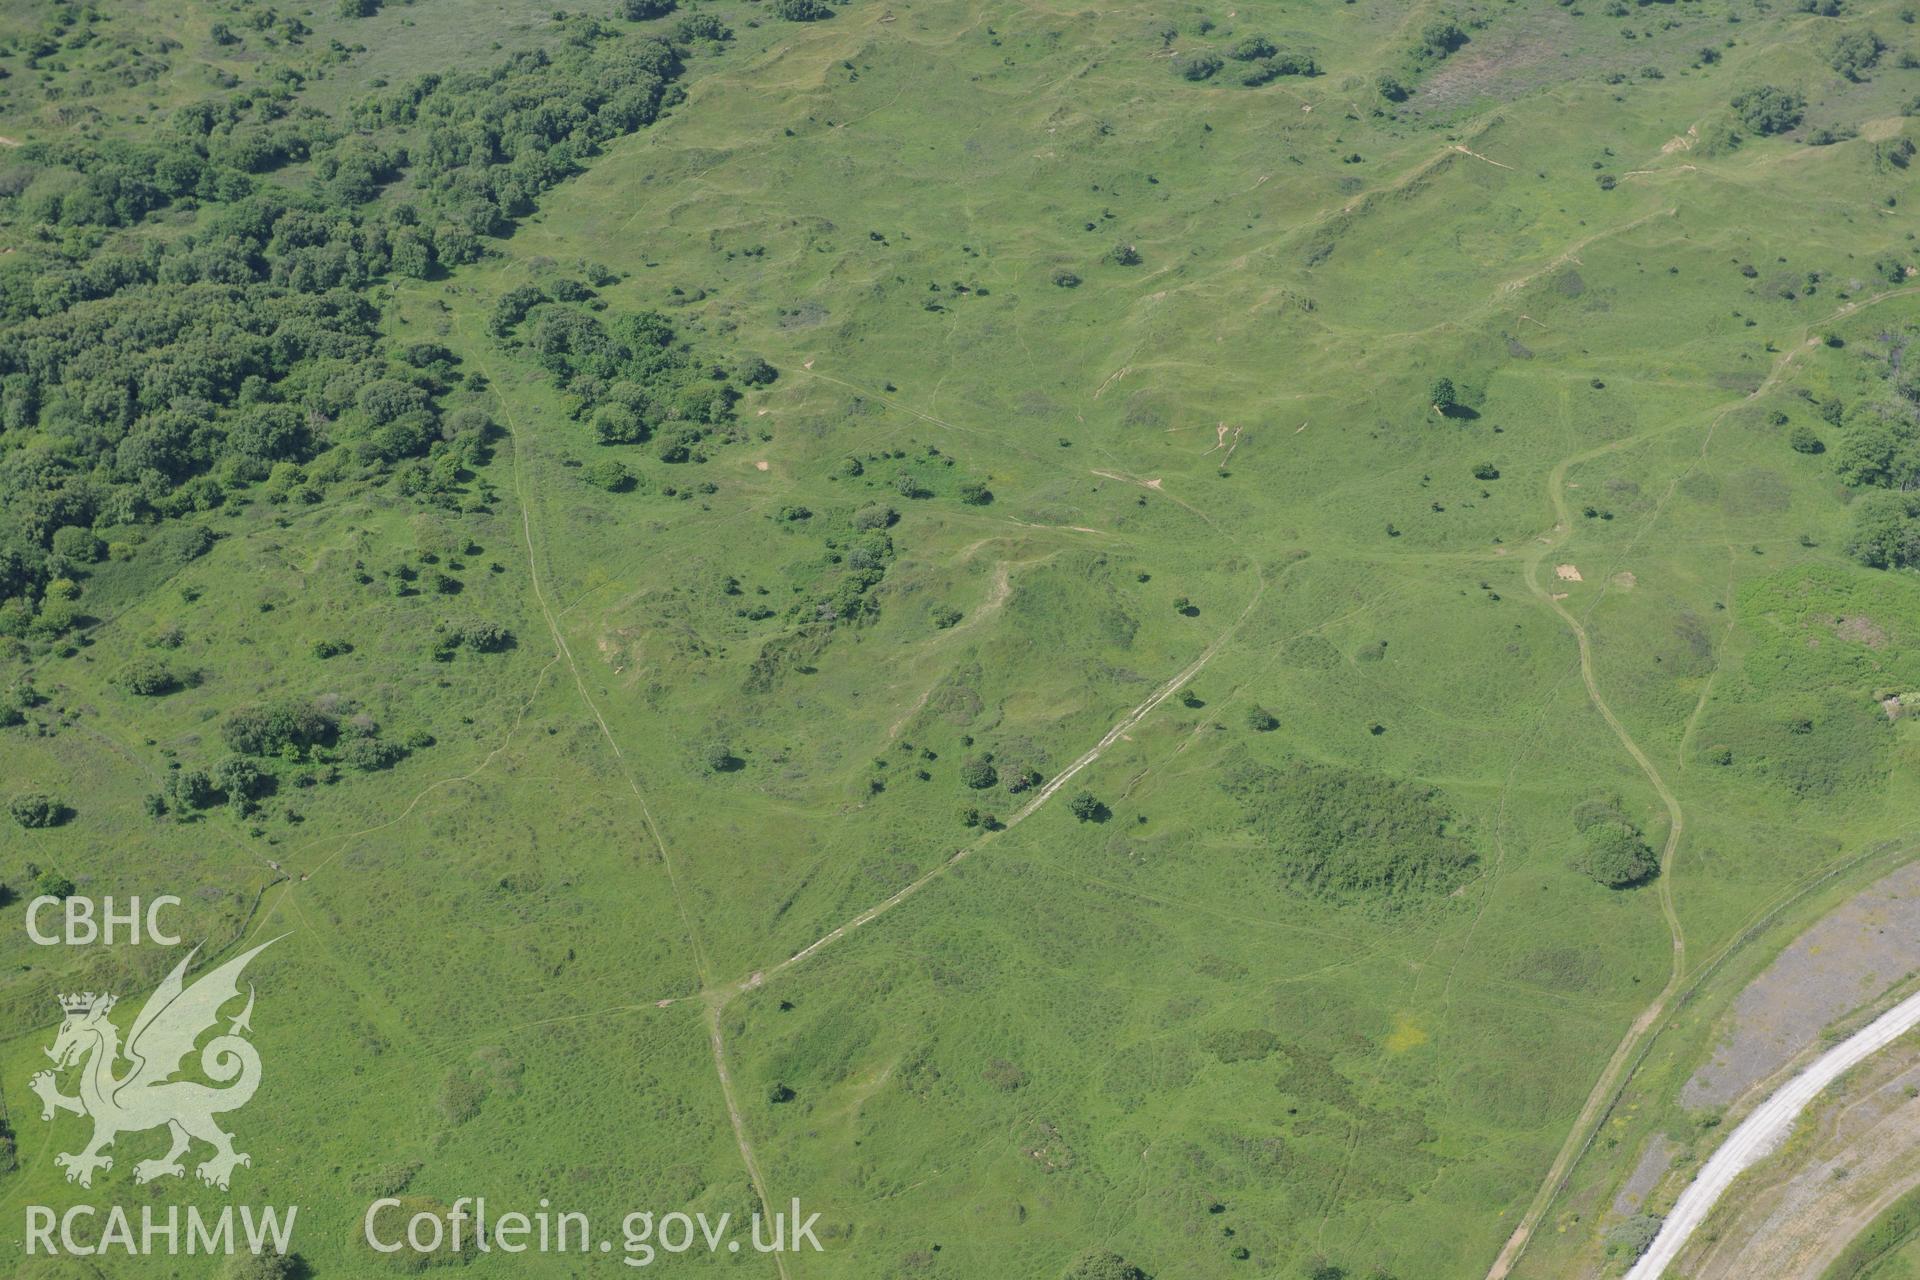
point(1079, 399)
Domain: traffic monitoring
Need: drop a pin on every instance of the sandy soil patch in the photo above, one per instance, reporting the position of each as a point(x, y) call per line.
point(760, 464)
point(1567, 573)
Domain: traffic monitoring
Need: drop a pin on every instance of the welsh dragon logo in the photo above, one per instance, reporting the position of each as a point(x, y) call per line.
point(147, 1096)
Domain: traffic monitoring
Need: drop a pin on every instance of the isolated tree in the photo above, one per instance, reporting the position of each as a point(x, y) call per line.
point(1198, 66)
point(486, 636)
point(1854, 53)
point(1615, 855)
point(720, 758)
point(1390, 88)
point(1020, 777)
point(1442, 395)
point(148, 678)
point(1438, 39)
point(189, 789)
point(700, 26)
point(610, 474)
point(1087, 807)
point(51, 884)
point(978, 772)
point(1102, 1264)
point(1769, 109)
point(263, 1266)
point(1804, 440)
point(371, 754)
point(35, 809)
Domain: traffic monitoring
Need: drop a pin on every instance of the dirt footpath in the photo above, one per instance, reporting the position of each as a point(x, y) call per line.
point(1848, 958)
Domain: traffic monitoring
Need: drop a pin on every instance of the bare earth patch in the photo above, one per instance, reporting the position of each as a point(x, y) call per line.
point(1680, 142)
point(1504, 62)
point(1839, 964)
point(1567, 573)
point(1862, 630)
point(1645, 1177)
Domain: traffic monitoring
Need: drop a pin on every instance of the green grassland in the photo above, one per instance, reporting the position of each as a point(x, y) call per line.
point(1318, 985)
point(1884, 1250)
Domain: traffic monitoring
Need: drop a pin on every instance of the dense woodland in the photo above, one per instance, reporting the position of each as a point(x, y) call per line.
point(1878, 452)
point(155, 365)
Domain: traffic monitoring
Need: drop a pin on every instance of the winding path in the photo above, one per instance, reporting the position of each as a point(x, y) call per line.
point(1762, 1131)
point(1619, 1067)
